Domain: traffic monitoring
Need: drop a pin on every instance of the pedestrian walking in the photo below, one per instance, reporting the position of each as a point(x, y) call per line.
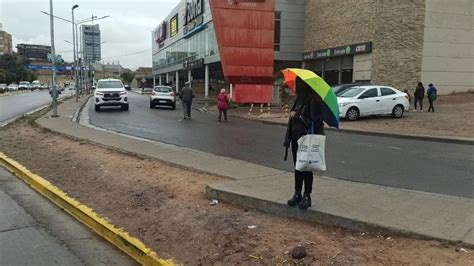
point(187, 95)
point(222, 104)
point(432, 94)
point(305, 113)
point(419, 95)
point(409, 98)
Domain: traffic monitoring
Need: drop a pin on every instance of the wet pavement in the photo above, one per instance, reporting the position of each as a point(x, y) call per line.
point(412, 164)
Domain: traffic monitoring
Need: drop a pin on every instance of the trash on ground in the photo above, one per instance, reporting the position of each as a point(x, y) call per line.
point(256, 257)
point(214, 202)
point(252, 226)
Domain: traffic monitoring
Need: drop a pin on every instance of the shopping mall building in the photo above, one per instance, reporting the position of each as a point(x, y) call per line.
point(243, 44)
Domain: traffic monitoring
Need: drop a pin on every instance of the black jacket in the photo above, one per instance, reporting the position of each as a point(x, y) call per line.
point(308, 114)
point(419, 92)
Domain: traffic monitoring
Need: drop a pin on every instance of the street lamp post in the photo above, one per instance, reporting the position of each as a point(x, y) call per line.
point(74, 48)
point(54, 91)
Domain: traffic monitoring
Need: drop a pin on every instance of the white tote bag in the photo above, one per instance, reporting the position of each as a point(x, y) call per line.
point(311, 156)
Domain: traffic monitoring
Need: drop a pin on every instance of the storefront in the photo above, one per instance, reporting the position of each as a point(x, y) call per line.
point(336, 64)
point(200, 42)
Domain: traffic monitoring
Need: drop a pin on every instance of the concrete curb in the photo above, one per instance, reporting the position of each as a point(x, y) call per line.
point(118, 237)
point(77, 113)
point(380, 134)
point(320, 217)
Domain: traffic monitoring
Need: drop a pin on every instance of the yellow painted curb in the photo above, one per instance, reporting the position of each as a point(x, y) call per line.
point(118, 237)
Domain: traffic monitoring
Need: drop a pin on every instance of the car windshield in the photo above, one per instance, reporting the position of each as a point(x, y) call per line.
point(24, 82)
point(352, 92)
point(163, 89)
point(109, 84)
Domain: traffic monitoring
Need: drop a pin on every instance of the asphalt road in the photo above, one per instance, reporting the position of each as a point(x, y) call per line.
point(18, 104)
point(412, 164)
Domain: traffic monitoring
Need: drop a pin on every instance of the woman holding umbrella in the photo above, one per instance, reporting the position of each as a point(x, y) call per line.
point(305, 113)
point(315, 102)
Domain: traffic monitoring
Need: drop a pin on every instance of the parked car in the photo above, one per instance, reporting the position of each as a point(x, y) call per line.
point(12, 87)
point(369, 100)
point(24, 85)
point(3, 88)
point(35, 85)
point(163, 95)
point(127, 87)
point(110, 92)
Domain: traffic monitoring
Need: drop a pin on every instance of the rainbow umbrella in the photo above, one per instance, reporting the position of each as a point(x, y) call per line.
point(329, 108)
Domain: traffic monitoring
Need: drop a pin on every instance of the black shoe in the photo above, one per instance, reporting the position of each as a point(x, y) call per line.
point(305, 203)
point(294, 200)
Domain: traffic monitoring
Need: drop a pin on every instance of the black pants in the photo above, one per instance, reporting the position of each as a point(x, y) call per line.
point(431, 108)
point(187, 109)
point(300, 177)
point(225, 114)
point(420, 101)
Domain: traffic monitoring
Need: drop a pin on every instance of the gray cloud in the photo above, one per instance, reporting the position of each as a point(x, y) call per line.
point(126, 30)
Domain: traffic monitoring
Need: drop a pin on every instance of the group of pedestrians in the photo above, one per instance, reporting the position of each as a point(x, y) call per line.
point(431, 93)
point(187, 95)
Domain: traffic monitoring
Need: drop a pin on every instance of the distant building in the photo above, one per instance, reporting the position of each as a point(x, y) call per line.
point(5, 42)
point(110, 69)
point(33, 52)
point(91, 42)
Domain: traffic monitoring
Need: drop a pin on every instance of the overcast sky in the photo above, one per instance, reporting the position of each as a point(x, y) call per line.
point(127, 30)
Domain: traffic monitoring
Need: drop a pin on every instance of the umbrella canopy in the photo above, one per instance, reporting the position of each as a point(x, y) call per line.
point(329, 108)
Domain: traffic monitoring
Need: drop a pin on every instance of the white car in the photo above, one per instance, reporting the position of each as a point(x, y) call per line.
point(372, 100)
point(163, 95)
point(12, 87)
point(24, 85)
point(110, 92)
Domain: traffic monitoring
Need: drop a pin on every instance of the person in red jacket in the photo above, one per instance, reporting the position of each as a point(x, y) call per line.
point(222, 104)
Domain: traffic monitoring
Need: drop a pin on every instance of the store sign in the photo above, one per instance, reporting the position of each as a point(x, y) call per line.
point(359, 48)
point(194, 17)
point(160, 33)
point(194, 9)
point(193, 64)
point(174, 26)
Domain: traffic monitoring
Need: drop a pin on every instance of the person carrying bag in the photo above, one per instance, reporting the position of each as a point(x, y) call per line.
point(305, 128)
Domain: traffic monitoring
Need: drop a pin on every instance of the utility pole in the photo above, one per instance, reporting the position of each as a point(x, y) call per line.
point(54, 90)
point(74, 52)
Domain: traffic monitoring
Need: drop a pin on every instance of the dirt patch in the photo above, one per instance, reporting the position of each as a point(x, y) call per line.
point(453, 118)
point(166, 207)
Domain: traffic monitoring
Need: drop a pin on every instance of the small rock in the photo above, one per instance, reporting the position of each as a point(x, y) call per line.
point(170, 196)
point(138, 194)
point(298, 253)
point(252, 226)
point(213, 202)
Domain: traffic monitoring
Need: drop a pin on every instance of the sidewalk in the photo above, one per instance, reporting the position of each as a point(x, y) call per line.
point(350, 205)
point(34, 232)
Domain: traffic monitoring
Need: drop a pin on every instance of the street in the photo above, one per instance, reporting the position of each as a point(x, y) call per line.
point(412, 164)
point(18, 104)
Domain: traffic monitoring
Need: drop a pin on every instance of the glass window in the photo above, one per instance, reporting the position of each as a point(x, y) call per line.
point(370, 93)
point(163, 89)
point(277, 32)
point(351, 92)
point(387, 91)
point(109, 84)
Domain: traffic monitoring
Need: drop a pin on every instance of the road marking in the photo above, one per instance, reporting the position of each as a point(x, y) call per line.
point(394, 148)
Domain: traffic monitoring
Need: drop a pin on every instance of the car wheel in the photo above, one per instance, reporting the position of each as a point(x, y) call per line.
point(152, 105)
point(125, 107)
point(352, 114)
point(97, 108)
point(397, 111)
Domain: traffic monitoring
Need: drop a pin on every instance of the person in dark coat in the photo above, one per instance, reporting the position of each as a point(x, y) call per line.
point(222, 104)
point(419, 95)
point(187, 95)
point(305, 112)
point(432, 94)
